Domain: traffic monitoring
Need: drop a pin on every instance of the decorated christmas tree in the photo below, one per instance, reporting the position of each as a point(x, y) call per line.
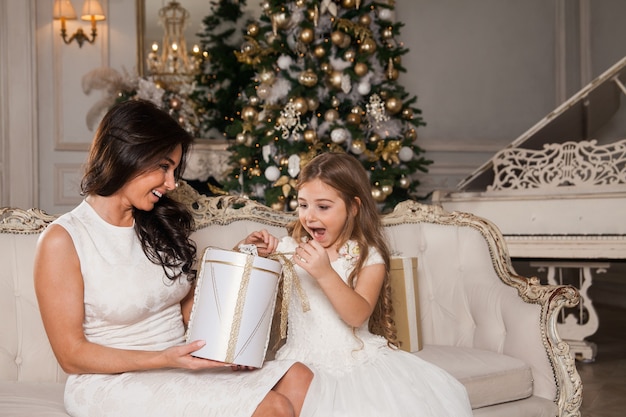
point(222, 77)
point(325, 80)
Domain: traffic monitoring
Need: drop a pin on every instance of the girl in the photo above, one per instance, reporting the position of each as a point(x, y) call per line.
point(114, 282)
point(347, 337)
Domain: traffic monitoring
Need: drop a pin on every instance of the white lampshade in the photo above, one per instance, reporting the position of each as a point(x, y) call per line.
point(63, 9)
point(92, 10)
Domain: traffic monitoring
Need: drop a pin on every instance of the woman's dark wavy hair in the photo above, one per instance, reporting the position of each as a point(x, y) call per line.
point(132, 138)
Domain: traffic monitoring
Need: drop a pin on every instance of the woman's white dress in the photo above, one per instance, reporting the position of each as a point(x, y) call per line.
point(357, 374)
point(130, 304)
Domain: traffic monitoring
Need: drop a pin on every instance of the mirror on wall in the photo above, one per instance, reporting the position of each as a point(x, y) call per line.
point(149, 29)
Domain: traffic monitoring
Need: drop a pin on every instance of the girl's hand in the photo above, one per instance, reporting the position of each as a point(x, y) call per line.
point(265, 242)
point(312, 257)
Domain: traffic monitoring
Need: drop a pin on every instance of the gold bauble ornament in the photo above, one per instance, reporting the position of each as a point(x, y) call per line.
point(307, 35)
point(354, 119)
point(313, 15)
point(278, 206)
point(386, 189)
point(387, 33)
point(374, 138)
point(300, 105)
point(349, 55)
point(397, 59)
point(280, 20)
point(247, 48)
point(357, 147)
point(249, 114)
point(336, 37)
point(334, 102)
point(378, 194)
point(253, 29)
point(348, 4)
point(254, 100)
point(404, 182)
point(407, 113)
point(267, 77)
point(293, 204)
point(345, 42)
point(244, 162)
point(368, 46)
point(393, 105)
point(335, 78)
point(255, 172)
point(326, 67)
point(284, 161)
point(356, 110)
point(308, 78)
point(392, 74)
point(411, 134)
point(319, 51)
point(331, 115)
point(240, 139)
point(360, 69)
point(365, 19)
point(309, 135)
point(263, 91)
point(300, 3)
point(312, 103)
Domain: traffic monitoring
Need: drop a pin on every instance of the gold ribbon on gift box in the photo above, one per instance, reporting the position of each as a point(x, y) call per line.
point(290, 280)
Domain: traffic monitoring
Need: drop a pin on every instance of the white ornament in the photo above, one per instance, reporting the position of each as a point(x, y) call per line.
point(284, 62)
point(386, 14)
point(405, 154)
point(290, 120)
point(376, 113)
point(272, 173)
point(268, 151)
point(364, 88)
point(293, 167)
point(339, 135)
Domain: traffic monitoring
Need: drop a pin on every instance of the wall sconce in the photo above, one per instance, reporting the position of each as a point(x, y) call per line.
point(92, 11)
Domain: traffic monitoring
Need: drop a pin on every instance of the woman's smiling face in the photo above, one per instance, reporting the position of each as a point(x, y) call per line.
point(145, 190)
point(322, 212)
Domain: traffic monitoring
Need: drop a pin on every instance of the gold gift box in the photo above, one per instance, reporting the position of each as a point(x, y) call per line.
point(405, 299)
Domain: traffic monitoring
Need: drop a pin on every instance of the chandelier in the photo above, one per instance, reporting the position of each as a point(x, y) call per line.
point(174, 65)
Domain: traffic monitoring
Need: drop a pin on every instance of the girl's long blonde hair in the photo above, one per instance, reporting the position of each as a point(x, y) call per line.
point(345, 174)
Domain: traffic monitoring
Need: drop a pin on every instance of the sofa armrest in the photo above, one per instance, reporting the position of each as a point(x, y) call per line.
point(471, 296)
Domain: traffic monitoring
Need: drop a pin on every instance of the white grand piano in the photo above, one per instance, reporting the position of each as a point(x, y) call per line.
point(558, 194)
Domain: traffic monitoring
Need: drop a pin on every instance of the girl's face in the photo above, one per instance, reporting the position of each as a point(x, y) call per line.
point(322, 212)
point(146, 189)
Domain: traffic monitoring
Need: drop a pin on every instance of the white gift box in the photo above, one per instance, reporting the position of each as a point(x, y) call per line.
point(405, 300)
point(233, 306)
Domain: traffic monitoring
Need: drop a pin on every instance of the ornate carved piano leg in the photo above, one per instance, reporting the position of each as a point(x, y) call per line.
point(582, 321)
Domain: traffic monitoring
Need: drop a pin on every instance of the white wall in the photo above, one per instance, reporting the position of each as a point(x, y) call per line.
point(484, 72)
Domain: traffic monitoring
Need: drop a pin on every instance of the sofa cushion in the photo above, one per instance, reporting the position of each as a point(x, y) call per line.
point(489, 377)
point(32, 399)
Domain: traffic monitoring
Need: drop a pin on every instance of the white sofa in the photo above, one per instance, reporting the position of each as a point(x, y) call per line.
point(492, 329)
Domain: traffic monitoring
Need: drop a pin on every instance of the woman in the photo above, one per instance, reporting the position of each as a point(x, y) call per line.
point(114, 281)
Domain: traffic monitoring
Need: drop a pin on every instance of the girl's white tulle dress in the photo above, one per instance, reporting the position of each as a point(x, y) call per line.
point(357, 374)
point(130, 304)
